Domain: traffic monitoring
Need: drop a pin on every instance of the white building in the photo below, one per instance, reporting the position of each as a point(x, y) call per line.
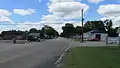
point(118, 31)
point(119, 34)
point(96, 34)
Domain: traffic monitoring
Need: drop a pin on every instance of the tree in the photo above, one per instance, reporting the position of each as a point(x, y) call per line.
point(68, 30)
point(94, 25)
point(33, 30)
point(48, 30)
point(108, 24)
point(78, 30)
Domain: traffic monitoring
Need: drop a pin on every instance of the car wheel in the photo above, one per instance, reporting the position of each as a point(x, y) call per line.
point(37, 40)
point(29, 40)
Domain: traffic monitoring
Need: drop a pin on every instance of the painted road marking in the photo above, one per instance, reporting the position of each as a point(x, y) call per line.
point(63, 54)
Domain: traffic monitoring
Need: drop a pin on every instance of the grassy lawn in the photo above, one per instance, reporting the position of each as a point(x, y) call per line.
point(88, 57)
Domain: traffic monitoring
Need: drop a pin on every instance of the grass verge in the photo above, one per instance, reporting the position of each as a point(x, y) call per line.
point(93, 57)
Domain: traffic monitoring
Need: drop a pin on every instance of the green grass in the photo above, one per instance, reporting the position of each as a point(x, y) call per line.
point(88, 57)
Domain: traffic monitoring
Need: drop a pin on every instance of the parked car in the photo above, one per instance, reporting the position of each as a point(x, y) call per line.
point(94, 39)
point(33, 38)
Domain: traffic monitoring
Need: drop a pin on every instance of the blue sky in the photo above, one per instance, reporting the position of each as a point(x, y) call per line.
point(38, 10)
point(41, 9)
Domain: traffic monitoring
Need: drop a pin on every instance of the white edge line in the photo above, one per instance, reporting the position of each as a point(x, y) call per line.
point(63, 54)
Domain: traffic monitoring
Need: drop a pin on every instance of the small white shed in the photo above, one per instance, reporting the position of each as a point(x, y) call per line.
point(118, 31)
point(96, 34)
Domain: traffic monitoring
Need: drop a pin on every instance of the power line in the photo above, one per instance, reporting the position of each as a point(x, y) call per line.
point(32, 24)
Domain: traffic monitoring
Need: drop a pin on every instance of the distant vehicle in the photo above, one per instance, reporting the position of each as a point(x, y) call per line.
point(94, 39)
point(33, 38)
point(47, 37)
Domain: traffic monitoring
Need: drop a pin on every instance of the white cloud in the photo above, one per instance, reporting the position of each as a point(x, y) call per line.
point(110, 11)
point(95, 1)
point(73, 11)
point(4, 16)
point(24, 12)
point(51, 18)
point(63, 11)
point(115, 20)
point(77, 24)
point(63, 6)
point(38, 25)
point(57, 17)
point(58, 27)
point(5, 19)
point(3, 28)
point(6, 27)
point(28, 25)
point(4, 13)
point(56, 1)
point(21, 26)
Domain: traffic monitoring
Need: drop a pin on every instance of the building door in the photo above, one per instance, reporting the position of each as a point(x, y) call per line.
point(98, 36)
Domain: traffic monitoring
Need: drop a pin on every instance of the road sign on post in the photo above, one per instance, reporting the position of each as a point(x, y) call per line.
point(118, 31)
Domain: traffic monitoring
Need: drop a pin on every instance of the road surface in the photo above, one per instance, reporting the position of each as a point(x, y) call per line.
point(32, 55)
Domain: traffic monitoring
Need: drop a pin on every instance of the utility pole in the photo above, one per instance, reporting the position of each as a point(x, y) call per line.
point(82, 26)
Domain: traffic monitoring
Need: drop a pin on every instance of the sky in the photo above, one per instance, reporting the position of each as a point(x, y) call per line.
point(26, 14)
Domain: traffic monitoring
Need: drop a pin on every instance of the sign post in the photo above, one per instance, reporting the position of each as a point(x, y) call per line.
point(119, 39)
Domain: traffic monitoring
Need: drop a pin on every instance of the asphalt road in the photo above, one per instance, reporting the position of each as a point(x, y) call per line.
point(32, 55)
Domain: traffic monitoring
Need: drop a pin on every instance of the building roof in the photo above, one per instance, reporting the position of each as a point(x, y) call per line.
point(97, 31)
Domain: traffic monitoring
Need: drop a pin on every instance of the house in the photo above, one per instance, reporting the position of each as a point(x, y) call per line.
point(96, 34)
point(8, 35)
point(113, 37)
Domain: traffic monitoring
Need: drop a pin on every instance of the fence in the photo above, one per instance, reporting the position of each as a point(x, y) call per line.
point(113, 40)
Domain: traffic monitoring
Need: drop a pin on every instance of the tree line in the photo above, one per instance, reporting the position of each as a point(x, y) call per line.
point(69, 30)
point(107, 25)
point(46, 30)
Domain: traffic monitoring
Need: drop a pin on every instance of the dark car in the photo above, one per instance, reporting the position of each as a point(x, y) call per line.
point(33, 38)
